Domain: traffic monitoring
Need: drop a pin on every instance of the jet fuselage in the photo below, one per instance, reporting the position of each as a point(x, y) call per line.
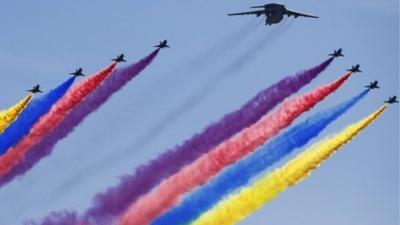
point(274, 12)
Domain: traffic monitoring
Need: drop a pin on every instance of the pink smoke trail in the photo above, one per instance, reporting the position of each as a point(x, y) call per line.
point(171, 190)
point(52, 119)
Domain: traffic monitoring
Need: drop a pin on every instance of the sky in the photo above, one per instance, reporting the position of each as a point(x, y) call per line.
point(215, 64)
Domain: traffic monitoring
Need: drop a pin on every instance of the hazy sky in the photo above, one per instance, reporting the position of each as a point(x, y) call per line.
point(217, 67)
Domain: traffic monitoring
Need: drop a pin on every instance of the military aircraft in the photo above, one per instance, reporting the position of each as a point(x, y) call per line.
point(355, 69)
point(78, 73)
point(273, 12)
point(392, 100)
point(119, 58)
point(163, 44)
point(337, 53)
point(35, 89)
point(373, 85)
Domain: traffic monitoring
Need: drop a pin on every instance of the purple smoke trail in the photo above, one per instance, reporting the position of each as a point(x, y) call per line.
point(110, 204)
point(67, 218)
point(107, 206)
point(98, 97)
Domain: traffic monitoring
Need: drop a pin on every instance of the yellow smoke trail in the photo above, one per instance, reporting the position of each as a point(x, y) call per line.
point(236, 207)
point(10, 115)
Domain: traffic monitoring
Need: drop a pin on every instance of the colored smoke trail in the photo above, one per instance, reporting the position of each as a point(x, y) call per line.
point(111, 203)
point(52, 119)
point(237, 207)
point(68, 218)
point(115, 81)
point(32, 113)
point(10, 115)
point(170, 191)
point(243, 171)
point(100, 95)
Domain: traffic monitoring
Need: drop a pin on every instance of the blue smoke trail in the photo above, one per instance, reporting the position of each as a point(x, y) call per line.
point(31, 115)
point(240, 174)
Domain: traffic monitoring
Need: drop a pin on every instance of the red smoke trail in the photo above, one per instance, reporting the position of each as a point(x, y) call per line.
point(52, 119)
point(170, 191)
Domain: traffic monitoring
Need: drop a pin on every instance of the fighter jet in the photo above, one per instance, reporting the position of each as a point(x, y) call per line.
point(273, 12)
point(78, 73)
point(355, 69)
point(35, 89)
point(337, 53)
point(392, 100)
point(163, 44)
point(373, 85)
point(119, 58)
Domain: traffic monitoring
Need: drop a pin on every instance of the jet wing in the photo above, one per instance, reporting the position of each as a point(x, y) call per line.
point(296, 14)
point(256, 12)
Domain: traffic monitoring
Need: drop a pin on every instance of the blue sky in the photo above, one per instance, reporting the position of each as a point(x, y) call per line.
point(41, 41)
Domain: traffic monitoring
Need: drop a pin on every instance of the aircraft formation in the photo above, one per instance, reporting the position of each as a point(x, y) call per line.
point(164, 44)
point(274, 14)
point(79, 72)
